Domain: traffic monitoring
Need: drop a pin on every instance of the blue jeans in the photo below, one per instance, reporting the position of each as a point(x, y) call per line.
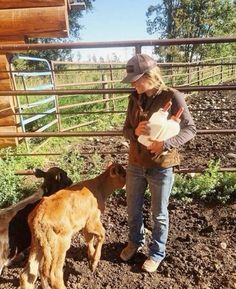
point(160, 182)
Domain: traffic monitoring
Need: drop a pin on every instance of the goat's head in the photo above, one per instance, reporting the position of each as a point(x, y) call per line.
point(55, 179)
point(118, 175)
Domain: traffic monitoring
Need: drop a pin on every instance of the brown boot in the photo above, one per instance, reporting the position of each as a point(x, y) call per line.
point(129, 251)
point(150, 265)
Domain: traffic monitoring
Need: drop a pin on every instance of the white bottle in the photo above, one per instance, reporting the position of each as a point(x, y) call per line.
point(172, 127)
point(157, 124)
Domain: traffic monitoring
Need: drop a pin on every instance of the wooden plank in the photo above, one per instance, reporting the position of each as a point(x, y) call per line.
point(31, 21)
point(50, 34)
point(6, 142)
point(6, 102)
point(7, 121)
point(9, 4)
point(7, 117)
point(4, 67)
point(5, 84)
point(12, 39)
point(6, 111)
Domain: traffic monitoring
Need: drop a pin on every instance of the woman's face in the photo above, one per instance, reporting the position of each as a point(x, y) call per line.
point(142, 85)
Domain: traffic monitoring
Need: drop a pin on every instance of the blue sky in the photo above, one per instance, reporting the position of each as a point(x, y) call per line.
point(114, 20)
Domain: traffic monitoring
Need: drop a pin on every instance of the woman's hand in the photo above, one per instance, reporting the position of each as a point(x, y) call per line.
point(156, 147)
point(142, 128)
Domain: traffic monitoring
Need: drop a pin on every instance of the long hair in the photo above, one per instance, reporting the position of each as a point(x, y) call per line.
point(155, 78)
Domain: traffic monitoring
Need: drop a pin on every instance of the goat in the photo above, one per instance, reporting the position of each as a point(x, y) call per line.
point(5, 217)
point(16, 237)
point(54, 221)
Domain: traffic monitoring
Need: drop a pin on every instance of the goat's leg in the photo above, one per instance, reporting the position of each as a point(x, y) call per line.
point(4, 249)
point(30, 273)
point(43, 269)
point(51, 254)
point(46, 262)
point(44, 280)
point(96, 228)
point(58, 259)
point(89, 239)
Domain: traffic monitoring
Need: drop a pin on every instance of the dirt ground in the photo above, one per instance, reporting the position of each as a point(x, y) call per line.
point(201, 248)
point(200, 252)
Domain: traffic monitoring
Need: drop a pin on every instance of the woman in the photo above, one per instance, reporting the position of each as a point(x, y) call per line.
point(149, 166)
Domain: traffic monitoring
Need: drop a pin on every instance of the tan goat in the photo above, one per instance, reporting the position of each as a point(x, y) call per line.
point(58, 217)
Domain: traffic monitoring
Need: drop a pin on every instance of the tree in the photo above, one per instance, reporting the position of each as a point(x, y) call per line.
point(192, 19)
point(115, 57)
point(101, 59)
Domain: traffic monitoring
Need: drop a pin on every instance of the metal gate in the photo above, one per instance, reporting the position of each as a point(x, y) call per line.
point(21, 82)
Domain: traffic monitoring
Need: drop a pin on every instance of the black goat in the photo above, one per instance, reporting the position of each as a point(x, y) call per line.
point(19, 234)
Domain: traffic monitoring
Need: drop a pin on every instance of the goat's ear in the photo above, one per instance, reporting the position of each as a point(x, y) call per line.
point(109, 164)
point(116, 170)
point(39, 173)
point(60, 176)
point(113, 171)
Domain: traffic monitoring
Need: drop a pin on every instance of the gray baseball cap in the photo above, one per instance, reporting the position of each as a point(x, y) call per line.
point(137, 66)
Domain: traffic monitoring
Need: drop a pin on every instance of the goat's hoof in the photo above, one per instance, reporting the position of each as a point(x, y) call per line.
point(94, 266)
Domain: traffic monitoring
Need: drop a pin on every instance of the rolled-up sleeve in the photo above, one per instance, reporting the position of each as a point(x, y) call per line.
point(187, 125)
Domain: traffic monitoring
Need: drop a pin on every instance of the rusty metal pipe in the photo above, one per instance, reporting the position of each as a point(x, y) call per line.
point(61, 134)
point(107, 44)
point(197, 170)
point(111, 111)
point(103, 91)
point(178, 171)
point(162, 65)
point(97, 152)
point(97, 133)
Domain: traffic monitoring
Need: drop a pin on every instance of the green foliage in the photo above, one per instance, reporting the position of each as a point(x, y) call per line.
point(71, 163)
point(12, 187)
point(226, 189)
point(211, 186)
point(74, 164)
point(192, 19)
point(9, 183)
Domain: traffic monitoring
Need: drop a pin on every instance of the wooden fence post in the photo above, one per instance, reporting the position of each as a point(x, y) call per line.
point(198, 74)
point(112, 86)
point(172, 76)
point(221, 72)
point(53, 78)
point(106, 95)
point(188, 73)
